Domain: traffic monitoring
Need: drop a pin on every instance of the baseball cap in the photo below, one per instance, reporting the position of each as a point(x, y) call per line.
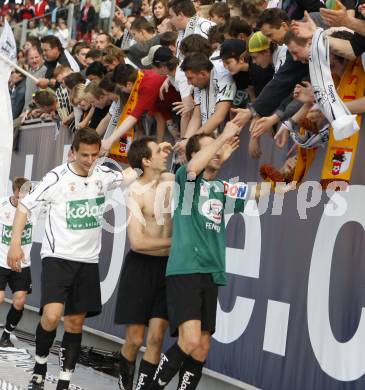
point(156, 55)
point(231, 48)
point(258, 42)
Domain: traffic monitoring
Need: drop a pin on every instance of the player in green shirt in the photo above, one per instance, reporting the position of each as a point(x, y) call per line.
point(196, 265)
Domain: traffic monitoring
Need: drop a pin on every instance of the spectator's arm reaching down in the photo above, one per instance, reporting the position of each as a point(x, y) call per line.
point(340, 17)
point(220, 113)
point(103, 124)
point(126, 125)
point(356, 106)
point(85, 122)
point(340, 47)
point(194, 123)
point(281, 86)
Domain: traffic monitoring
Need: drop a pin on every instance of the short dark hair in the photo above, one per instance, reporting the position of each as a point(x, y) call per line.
point(171, 64)
point(290, 36)
point(250, 11)
point(96, 68)
point(273, 17)
point(235, 3)
point(216, 34)
point(94, 89)
point(52, 41)
point(168, 38)
point(196, 62)
point(193, 145)
point(142, 23)
point(44, 98)
point(86, 136)
point(138, 151)
point(107, 84)
point(109, 37)
point(94, 53)
point(237, 26)
point(220, 9)
point(35, 42)
point(186, 7)
point(124, 73)
point(18, 182)
point(195, 43)
point(79, 46)
point(73, 79)
point(118, 22)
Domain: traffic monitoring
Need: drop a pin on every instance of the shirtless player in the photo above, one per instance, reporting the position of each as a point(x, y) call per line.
point(141, 299)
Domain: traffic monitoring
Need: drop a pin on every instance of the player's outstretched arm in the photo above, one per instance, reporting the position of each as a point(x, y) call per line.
point(201, 159)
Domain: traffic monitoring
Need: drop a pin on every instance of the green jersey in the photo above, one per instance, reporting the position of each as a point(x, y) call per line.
point(199, 231)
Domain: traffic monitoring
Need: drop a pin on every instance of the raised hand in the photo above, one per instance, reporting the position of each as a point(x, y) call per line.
point(262, 125)
point(243, 115)
point(229, 147)
point(305, 28)
point(183, 107)
point(304, 92)
point(165, 147)
point(336, 17)
point(281, 137)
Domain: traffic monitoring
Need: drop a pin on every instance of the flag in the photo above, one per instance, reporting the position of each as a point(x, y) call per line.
point(8, 49)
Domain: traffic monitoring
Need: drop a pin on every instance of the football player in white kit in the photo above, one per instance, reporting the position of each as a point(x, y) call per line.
point(20, 282)
point(75, 195)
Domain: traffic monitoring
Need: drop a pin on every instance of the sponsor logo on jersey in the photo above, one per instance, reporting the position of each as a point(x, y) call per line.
point(235, 190)
point(26, 235)
point(72, 187)
point(212, 209)
point(204, 191)
point(84, 213)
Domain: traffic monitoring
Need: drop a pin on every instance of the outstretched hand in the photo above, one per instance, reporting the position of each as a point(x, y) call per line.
point(304, 92)
point(229, 147)
point(336, 17)
point(304, 28)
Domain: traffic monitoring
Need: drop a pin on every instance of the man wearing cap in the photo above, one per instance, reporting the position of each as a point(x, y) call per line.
point(146, 87)
point(233, 55)
point(165, 64)
point(274, 23)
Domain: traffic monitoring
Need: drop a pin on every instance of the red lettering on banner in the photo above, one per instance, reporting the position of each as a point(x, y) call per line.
point(233, 191)
point(226, 186)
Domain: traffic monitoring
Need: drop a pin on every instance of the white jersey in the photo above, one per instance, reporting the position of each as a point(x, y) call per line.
point(180, 83)
point(7, 213)
point(75, 207)
point(196, 25)
point(279, 56)
point(221, 88)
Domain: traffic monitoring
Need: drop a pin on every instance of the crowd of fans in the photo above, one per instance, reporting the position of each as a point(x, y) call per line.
point(190, 65)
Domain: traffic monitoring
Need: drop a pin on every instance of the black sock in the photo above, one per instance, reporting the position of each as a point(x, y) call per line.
point(126, 373)
point(145, 374)
point(169, 365)
point(69, 353)
point(12, 320)
point(43, 343)
point(190, 374)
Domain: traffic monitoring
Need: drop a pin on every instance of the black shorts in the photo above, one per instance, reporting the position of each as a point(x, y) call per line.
point(191, 297)
point(142, 289)
point(18, 281)
point(73, 283)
